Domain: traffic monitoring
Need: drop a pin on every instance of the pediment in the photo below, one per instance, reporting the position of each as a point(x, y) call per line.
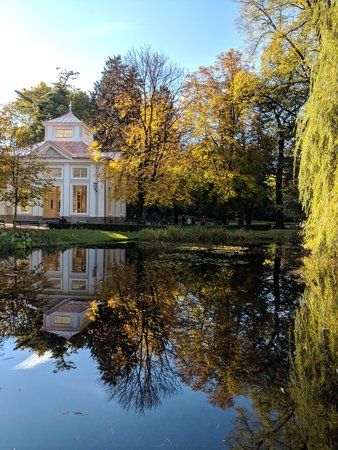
point(49, 151)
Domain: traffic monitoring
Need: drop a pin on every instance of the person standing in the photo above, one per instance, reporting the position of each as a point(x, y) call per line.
point(203, 220)
point(183, 220)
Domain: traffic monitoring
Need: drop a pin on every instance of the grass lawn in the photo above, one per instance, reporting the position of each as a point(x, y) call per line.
point(87, 237)
point(25, 239)
point(11, 240)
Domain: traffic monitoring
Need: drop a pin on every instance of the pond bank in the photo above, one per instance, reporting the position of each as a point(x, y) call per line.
point(13, 240)
point(218, 236)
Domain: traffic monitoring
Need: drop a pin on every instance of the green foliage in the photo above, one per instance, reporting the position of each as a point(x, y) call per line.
point(318, 138)
point(228, 149)
point(44, 102)
point(24, 178)
point(216, 236)
point(314, 375)
point(279, 32)
point(97, 226)
point(13, 242)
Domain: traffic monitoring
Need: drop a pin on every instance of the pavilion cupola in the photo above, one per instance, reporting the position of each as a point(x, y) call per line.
point(67, 128)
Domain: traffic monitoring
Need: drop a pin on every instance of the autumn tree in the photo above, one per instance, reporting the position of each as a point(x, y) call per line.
point(24, 176)
point(281, 98)
point(136, 115)
point(279, 34)
point(132, 334)
point(228, 148)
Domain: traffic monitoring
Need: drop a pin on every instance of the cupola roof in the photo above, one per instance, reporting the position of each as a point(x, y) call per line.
point(66, 118)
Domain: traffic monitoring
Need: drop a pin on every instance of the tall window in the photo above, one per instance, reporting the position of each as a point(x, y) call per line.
point(79, 260)
point(64, 133)
point(80, 199)
point(51, 261)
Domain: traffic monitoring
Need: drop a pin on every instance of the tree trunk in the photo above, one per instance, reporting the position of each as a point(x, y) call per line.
point(248, 213)
point(175, 214)
point(276, 288)
point(141, 210)
point(279, 182)
point(240, 219)
point(15, 216)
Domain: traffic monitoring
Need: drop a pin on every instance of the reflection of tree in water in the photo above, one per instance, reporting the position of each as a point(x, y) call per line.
point(237, 339)
point(314, 378)
point(132, 336)
point(20, 290)
point(225, 326)
point(219, 324)
point(302, 414)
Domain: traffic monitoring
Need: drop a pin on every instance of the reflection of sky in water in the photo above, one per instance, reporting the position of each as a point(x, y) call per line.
point(69, 409)
point(33, 361)
point(40, 410)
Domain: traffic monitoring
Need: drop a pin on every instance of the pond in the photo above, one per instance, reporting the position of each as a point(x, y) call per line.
point(142, 348)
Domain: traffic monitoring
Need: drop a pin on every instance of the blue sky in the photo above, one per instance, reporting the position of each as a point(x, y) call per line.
point(38, 35)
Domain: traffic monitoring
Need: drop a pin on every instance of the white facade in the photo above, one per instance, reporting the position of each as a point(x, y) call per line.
point(73, 277)
point(80, 195)
point(77, 272)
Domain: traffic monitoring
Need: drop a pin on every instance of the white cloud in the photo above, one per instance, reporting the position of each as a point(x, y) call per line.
point(33, 361)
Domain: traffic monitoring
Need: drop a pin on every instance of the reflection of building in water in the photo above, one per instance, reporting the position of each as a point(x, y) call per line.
point(75, 273)
point(73, 277)
point(67, 318)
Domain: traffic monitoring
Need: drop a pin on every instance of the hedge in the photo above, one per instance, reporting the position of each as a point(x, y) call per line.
point(97, 226)
point(137, 227)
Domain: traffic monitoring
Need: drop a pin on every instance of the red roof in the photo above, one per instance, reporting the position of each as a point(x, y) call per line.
point(74, 306)
point(74, 149)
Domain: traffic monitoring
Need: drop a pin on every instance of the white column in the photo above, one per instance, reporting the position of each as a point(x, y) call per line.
point(92, 193)
point(66, 194)
point(101, 199)
point(100, 263)
point(35, 210)
point(91, 265)
point(117, 208)
point(35, 259)
point(66, 268)
point(123, 211)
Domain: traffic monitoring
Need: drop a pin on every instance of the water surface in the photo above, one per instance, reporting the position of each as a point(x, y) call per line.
point(141, 348)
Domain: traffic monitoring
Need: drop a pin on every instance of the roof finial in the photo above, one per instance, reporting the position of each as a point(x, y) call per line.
point(70, 106)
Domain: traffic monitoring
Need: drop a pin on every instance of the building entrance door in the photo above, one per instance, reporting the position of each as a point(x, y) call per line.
point(52, 203)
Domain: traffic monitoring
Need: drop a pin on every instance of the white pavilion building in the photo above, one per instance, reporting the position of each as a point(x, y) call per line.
point(79, 194)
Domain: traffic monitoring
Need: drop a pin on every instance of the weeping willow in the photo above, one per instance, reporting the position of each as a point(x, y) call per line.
point(318, 136)
point(314, 379)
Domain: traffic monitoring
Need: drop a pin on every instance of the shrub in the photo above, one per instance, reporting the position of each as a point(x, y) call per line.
point(215, 236)
point(15, 242)
point(97, 226)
